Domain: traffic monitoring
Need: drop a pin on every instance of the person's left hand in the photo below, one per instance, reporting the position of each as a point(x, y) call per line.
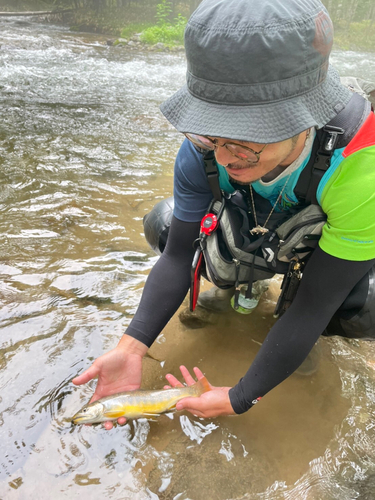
point(212, 403)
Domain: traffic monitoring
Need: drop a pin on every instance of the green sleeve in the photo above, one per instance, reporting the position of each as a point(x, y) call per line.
point(348, 199)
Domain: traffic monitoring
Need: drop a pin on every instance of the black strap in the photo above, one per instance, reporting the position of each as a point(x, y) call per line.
point(212, 174)
point(335, 135)
point(323, 148)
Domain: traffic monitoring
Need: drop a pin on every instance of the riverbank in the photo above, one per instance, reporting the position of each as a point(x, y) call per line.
point(108, 22)
point(127, 23)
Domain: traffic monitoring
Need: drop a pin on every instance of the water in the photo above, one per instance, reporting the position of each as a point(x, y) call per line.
point(84, 154)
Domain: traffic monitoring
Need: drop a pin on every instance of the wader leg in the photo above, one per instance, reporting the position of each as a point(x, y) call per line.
point(356, 317)
point(156, 224)
point(215, 299)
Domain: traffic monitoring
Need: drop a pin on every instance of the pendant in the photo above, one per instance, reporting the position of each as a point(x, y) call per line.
point(259, 230)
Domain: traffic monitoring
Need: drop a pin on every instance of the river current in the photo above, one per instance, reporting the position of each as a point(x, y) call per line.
point(85, 153)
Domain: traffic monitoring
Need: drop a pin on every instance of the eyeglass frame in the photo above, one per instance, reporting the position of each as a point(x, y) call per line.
point(215, 146)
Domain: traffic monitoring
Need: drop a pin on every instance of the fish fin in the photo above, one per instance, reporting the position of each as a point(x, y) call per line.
point(114, 414)
point(151, 414)
point(204, 384)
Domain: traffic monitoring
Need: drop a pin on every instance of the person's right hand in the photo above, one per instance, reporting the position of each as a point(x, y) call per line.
point(118, 370)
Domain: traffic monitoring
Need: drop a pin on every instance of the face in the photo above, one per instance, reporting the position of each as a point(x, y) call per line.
point(276, 154)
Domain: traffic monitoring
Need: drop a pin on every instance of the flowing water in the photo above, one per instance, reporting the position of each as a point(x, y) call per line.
point(85, 153)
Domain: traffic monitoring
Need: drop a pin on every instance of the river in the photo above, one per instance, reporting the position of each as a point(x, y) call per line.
point(85, 153)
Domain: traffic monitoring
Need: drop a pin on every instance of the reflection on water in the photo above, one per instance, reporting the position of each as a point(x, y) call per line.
point(85, 153)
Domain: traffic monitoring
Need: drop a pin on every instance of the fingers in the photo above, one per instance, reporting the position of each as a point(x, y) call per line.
point(198, 373)
point(173, 381)
point(108, 425)
point(86, 376)
point(190, 404)
point(186, 374)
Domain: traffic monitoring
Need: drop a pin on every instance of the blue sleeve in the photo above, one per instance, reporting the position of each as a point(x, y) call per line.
point(192, 193)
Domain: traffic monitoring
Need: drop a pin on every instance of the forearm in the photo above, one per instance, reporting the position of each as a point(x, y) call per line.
point(325, 285)
point(167, 284)
point(164, 291)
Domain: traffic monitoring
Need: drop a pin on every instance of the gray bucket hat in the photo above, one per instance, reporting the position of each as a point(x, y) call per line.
point(257, 71)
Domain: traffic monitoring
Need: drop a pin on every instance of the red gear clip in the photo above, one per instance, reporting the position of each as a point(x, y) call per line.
point(209, 224)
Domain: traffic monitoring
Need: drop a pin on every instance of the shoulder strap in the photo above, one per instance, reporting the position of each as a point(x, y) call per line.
point(212, 174)
point(335, 135)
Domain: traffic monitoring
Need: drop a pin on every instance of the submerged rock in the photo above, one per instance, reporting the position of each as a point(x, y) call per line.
point(198, 319)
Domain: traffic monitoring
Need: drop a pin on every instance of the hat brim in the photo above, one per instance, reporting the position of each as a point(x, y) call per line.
point(260, 123)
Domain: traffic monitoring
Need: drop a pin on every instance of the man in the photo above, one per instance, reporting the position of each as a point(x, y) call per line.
point(259, 86)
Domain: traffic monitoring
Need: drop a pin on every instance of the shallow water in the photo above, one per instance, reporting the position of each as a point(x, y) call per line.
point(85, 153)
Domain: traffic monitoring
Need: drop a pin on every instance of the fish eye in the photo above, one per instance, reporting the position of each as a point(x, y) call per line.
point(84, 410)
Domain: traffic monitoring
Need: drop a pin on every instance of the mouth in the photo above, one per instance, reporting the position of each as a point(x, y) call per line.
point(80, 419)
point(236, 170)
point(233, 167)
point(77, 420)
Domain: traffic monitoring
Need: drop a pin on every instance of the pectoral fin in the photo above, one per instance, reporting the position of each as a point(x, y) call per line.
point(114, 414)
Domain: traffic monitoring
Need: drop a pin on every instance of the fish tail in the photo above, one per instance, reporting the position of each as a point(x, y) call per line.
point(203, 385)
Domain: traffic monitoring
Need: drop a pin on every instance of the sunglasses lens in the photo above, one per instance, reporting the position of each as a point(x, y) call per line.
point(201, 141)
point(242, 153)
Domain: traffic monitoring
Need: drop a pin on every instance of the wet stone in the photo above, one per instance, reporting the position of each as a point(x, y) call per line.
point(159, 46)
point(198, 319)
point(121, 41)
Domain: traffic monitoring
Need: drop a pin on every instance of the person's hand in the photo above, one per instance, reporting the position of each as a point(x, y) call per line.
point(213, 403)
point(118, 370)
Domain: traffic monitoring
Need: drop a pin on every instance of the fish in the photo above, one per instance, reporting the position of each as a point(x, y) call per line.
point(138, 404)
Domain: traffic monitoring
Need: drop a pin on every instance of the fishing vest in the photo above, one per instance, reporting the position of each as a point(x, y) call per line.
point(232, 255)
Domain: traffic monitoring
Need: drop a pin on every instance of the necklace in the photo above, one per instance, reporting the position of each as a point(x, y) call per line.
point(258, 229)
point(262, 230)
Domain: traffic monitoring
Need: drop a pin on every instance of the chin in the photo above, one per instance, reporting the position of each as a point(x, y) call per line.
point(242, 180)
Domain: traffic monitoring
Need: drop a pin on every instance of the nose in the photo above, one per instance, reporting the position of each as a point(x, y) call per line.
point(223, 156)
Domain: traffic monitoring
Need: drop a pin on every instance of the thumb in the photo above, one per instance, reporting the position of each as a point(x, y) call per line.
point(86, 376)
point(186, 404)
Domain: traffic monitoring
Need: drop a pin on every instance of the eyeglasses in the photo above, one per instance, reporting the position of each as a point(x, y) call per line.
point(240, 152)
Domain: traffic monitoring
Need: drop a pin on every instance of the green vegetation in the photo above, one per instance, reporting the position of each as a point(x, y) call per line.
point(132, 29)
point(165, 31)
point(355, 36)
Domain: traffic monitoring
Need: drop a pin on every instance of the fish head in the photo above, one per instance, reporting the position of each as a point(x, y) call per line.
point(90, 414)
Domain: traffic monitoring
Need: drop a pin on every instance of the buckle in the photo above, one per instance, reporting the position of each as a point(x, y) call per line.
point(333, 135)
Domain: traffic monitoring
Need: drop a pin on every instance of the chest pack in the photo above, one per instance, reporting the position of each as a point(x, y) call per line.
point(232, 255)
